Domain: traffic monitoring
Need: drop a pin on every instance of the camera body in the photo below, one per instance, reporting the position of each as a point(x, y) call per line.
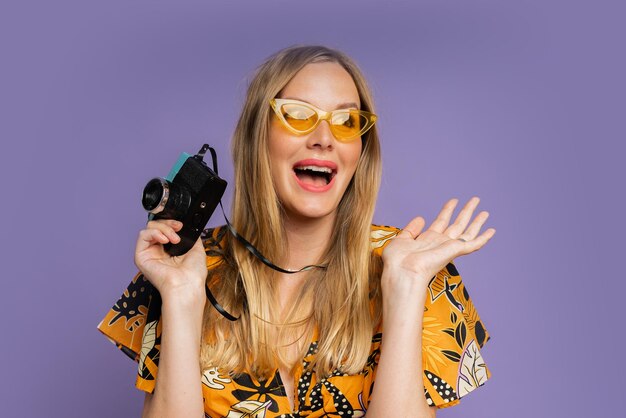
point(189, 194)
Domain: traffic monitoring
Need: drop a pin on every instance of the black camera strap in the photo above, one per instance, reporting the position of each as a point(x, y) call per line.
point(244, 242)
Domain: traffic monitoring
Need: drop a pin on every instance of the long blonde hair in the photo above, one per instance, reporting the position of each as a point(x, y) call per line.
point(335, 301)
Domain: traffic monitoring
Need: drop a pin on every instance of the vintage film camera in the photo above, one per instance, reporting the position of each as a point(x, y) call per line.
point(189, 194)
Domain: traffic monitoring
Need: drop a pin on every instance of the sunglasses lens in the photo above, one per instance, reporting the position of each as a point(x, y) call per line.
point(299, 117)
point(348, 124)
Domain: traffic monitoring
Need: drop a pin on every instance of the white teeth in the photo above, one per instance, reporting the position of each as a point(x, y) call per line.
point(315, 168)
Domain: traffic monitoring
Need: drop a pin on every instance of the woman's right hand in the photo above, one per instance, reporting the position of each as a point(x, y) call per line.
point(180, 280)
point(182, 275)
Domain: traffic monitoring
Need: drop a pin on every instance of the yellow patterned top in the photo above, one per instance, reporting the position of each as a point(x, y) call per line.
point(452, 363)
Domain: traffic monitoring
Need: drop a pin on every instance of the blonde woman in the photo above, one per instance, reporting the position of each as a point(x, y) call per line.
point(383, 305)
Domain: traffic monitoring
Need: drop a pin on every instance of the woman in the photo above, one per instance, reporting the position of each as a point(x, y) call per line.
point(307, 170)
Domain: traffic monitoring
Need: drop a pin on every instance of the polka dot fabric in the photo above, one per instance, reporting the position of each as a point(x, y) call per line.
point(453, 335)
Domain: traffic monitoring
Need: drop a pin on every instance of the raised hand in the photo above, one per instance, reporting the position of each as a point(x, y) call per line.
point(413, 257)
point(186, 273)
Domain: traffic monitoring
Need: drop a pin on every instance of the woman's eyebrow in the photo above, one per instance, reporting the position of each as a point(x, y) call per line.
point(346, 105)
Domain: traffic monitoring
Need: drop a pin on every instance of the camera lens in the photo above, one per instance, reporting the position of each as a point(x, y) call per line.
point(165, 199)
point(152, 194)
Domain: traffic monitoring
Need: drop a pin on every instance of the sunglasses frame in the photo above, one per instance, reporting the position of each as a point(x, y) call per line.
point(277, 104)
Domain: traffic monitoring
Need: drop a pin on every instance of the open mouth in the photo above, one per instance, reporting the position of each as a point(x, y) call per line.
point(314, 175)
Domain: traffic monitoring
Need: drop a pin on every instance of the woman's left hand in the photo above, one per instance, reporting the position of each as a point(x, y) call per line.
point(413, 257)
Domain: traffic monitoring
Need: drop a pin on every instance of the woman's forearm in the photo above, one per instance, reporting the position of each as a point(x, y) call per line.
point(399, 389)
point(178, 390)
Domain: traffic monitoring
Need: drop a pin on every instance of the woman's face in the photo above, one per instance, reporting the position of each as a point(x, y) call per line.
point(299, 164)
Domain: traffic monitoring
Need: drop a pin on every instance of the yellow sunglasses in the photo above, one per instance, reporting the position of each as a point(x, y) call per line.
point(302, 118)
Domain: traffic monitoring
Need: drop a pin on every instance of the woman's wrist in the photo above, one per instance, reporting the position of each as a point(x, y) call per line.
point(398, 286)
point(184, 299)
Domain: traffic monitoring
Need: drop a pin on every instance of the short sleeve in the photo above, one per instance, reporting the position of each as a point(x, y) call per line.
point(452, 334)
point(133, 325)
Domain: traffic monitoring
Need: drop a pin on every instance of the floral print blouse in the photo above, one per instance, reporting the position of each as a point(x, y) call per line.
point(452, 337)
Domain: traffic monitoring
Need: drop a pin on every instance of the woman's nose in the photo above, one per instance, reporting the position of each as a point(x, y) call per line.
point(321, 137)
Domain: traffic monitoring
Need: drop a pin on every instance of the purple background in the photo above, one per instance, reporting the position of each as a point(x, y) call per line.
point(521, 103)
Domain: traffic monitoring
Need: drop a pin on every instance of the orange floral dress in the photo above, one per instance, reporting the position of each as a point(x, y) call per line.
point(452, 337)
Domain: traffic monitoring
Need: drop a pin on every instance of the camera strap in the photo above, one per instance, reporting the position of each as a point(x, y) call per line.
point(244, 242)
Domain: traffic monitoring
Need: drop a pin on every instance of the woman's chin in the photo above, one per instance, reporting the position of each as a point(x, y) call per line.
point(310, 213)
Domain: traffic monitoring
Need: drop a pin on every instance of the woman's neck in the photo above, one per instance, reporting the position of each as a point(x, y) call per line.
point(307, 240)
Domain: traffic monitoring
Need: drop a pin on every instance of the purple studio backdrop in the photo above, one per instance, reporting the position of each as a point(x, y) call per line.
point(521, 103)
